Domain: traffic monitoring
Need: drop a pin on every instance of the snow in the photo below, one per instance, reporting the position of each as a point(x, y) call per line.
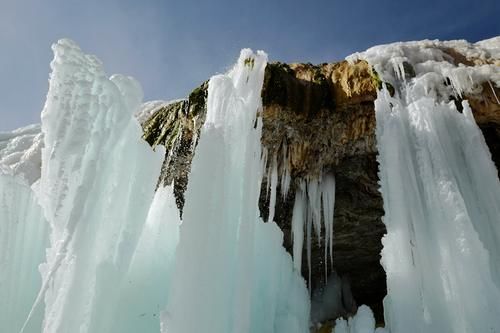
point(434, 65)
point(20, 153)
point(148, 109)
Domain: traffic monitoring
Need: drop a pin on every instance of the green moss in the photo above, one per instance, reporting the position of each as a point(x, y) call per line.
point(174, 133)
point(159, 129)
point(378, 83)
point(166, 125)
point(197, 100)
point(250, 62)
point(318, 76)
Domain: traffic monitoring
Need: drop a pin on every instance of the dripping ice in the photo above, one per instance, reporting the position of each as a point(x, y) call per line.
point(440, 188)
point(235, 288)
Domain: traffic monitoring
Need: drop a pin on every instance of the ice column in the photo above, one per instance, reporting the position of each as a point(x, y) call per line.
point(442, 212)
point(231, 272)
point(97, 183)
point(23, 240)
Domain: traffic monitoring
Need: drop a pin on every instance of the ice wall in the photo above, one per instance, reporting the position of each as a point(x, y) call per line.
point(231, 272)
point(105, 242)
point(440, 189)
point(20, 153)
point(145, 292)
point(23, 240)
point(96, 187)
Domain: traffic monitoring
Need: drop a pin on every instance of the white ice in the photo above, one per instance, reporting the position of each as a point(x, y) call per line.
point(441, 193)
point(115, 256)
point(23, 240)
point(231, 272)
point(20, 153)
point(313, 209)
point(362, 322)
point(96, 187)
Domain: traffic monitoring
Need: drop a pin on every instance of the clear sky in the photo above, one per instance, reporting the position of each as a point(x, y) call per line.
point(171, 46)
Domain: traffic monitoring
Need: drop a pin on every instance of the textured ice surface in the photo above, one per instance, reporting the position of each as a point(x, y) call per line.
point(23, 240)
point(20, 153)
point(96, 186)
point(441, 193)
point(434, 66)
point(105, 243)
point(362, 322)
point(231, 272)
point(144, 294)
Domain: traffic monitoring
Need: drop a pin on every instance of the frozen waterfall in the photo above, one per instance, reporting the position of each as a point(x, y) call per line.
point(231, 272)
point(90, 244)
point(112, 255)
point(441, 193)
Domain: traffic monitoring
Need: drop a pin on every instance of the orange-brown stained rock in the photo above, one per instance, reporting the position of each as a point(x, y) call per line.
point(486, 106)
point(318, 133)
point(352, 84)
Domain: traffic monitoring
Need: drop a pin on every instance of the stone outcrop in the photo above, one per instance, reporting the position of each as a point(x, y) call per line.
point(322, 117)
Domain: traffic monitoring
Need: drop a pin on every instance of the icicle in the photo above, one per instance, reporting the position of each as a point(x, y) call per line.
point(273, 184)
point(314, 204)
point(308, 245)
point(285, 172)
point(263, 161)
point(298, 223)
point(493, 91)
point(442, 205)
point(328, 200)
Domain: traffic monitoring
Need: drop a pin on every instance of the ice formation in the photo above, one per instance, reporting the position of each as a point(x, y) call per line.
point(231, 272)
point(440, 189)
point(314, 206)
point(113, 255)
point(20, 152)
point(88, 245)
point(23, 240)
point(362, 322)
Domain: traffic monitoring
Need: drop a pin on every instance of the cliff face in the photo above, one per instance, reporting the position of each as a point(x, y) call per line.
point(317, 119)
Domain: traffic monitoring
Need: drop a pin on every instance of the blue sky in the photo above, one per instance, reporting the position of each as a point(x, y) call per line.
point(171, 46)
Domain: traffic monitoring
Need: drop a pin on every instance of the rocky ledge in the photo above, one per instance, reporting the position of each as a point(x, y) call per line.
point(317, 118)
